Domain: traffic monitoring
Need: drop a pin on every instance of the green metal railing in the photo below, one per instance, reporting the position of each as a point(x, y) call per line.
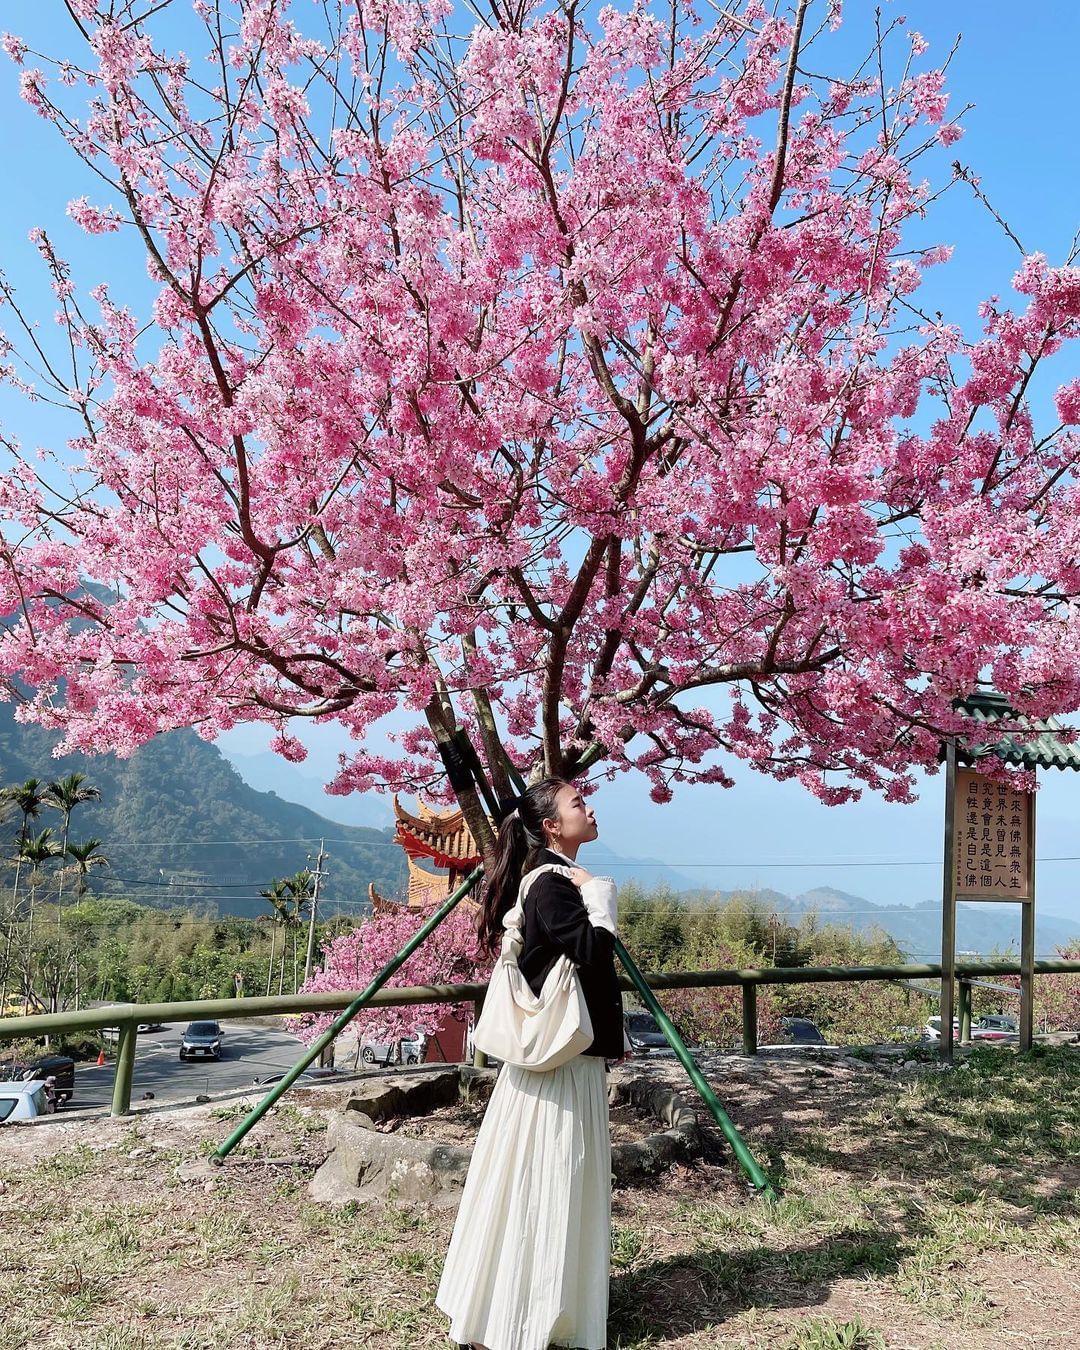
point(128, 1016)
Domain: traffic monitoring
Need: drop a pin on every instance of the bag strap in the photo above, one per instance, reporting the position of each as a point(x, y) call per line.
point(529, 877)
point(513, 938)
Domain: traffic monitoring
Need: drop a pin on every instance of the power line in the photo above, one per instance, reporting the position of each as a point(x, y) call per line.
point(675, 864)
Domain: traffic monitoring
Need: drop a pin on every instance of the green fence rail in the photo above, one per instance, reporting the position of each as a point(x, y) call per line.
point(128, 1016)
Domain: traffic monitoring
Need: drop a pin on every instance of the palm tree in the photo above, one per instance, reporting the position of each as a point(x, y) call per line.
point(87, 854)
point(277, 896)
point(65, 795)
point(300, 887)
point(35, 851)
point(28, 798)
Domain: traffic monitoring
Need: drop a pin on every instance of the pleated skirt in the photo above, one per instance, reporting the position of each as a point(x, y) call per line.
point(529, 1261)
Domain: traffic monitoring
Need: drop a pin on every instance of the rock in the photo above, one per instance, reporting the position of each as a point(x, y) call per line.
point(407, 1094)
point(365, 1165)
point(198, 1169)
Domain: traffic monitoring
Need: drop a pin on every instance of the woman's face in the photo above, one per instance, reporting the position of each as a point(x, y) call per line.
point(574, 822)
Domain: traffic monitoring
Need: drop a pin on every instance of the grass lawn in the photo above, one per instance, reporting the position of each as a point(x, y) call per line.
point(927, 1209)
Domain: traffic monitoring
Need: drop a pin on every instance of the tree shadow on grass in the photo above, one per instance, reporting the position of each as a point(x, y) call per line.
point(967, 1159)
point(1012, 1130)
point(659, 1301)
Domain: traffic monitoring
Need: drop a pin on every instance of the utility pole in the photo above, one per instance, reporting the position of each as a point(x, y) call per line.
point(318, 875)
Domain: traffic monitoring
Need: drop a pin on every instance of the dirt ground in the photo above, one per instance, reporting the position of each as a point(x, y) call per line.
point(923, 1209)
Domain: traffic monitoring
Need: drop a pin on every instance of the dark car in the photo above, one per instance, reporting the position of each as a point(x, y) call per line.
point(58, 1067)
point(1008, 1026)
point(801, 1031)
point(643, 1033)
point(201, 1040)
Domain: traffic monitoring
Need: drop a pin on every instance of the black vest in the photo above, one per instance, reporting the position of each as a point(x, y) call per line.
point(557, 924)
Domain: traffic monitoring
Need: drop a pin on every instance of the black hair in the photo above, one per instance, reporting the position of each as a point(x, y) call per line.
point(521, 839)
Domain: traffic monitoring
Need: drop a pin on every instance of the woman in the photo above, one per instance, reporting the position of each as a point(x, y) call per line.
point(529, 1260)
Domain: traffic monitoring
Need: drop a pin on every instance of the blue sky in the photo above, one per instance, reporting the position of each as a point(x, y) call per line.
point(1018, 68)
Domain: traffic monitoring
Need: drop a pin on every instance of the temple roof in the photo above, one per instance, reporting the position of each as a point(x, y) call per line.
point(1037, 743)
point(444, 838)
point(426, 891)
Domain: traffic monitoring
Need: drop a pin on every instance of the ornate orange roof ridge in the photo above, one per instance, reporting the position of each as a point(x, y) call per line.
point(444, 838)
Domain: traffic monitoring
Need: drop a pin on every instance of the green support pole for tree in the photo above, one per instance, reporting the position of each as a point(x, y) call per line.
point(749, 1019)
point(746, 1159)
point(343, 1019)
point(125, 1068)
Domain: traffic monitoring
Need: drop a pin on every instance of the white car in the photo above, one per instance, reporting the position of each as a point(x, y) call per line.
point(22, 1101)
point(932, 1030)
point(409, 1050)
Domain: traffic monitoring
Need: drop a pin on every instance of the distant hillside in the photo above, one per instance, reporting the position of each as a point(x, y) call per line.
point(181, 826)
point(307, 789)
point(917, 928)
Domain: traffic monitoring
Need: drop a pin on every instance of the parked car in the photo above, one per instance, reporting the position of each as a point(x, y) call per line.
point(22, 1101)
point(998, 1022)
point(932, 1030)
point(643, 1032)
point(801, 1031)
point(409, 1050)
point(201, 1040)
point(312, 1077)
point(61, 1068)
point(111, 1033)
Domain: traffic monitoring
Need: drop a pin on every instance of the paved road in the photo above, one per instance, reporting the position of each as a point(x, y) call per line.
point(247, 1051)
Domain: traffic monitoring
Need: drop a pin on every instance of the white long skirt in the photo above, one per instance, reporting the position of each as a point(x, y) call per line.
point(529, 1261)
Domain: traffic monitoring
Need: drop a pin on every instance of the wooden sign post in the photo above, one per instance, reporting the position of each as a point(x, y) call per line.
point(989, 855)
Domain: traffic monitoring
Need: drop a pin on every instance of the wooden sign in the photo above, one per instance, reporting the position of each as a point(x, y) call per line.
point(993, 839)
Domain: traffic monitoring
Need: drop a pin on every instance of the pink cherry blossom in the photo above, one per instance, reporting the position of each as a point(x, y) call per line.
point(449, 956)
point(564, 382)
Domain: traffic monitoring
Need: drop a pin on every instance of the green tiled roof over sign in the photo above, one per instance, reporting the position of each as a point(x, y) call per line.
point(1040, 748)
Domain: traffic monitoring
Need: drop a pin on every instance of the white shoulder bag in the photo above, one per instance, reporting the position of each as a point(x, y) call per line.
point(516, 1026)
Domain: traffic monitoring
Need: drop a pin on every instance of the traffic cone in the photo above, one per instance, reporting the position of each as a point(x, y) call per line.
point(101, 1057)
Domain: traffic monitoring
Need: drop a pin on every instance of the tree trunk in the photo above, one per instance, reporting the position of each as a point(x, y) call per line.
point(30, 945)
point(60, 893)
point(11, 928)
point(270, 963)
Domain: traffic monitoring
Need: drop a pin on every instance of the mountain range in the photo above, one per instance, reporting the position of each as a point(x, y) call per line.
point(980, 929)
point(181, 825)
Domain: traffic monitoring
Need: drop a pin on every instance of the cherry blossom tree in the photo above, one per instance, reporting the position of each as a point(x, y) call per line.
point(551, 372)
point(451, 955)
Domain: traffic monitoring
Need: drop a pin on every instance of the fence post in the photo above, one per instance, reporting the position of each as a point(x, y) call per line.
point(965, 1012)
point(749, 1019)
point(125, 1067)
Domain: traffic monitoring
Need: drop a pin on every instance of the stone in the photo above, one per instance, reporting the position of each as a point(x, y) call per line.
point(407, 1094)
point(366, 1165)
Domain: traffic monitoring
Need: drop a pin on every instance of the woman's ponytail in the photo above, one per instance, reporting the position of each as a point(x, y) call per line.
point(520, 840)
